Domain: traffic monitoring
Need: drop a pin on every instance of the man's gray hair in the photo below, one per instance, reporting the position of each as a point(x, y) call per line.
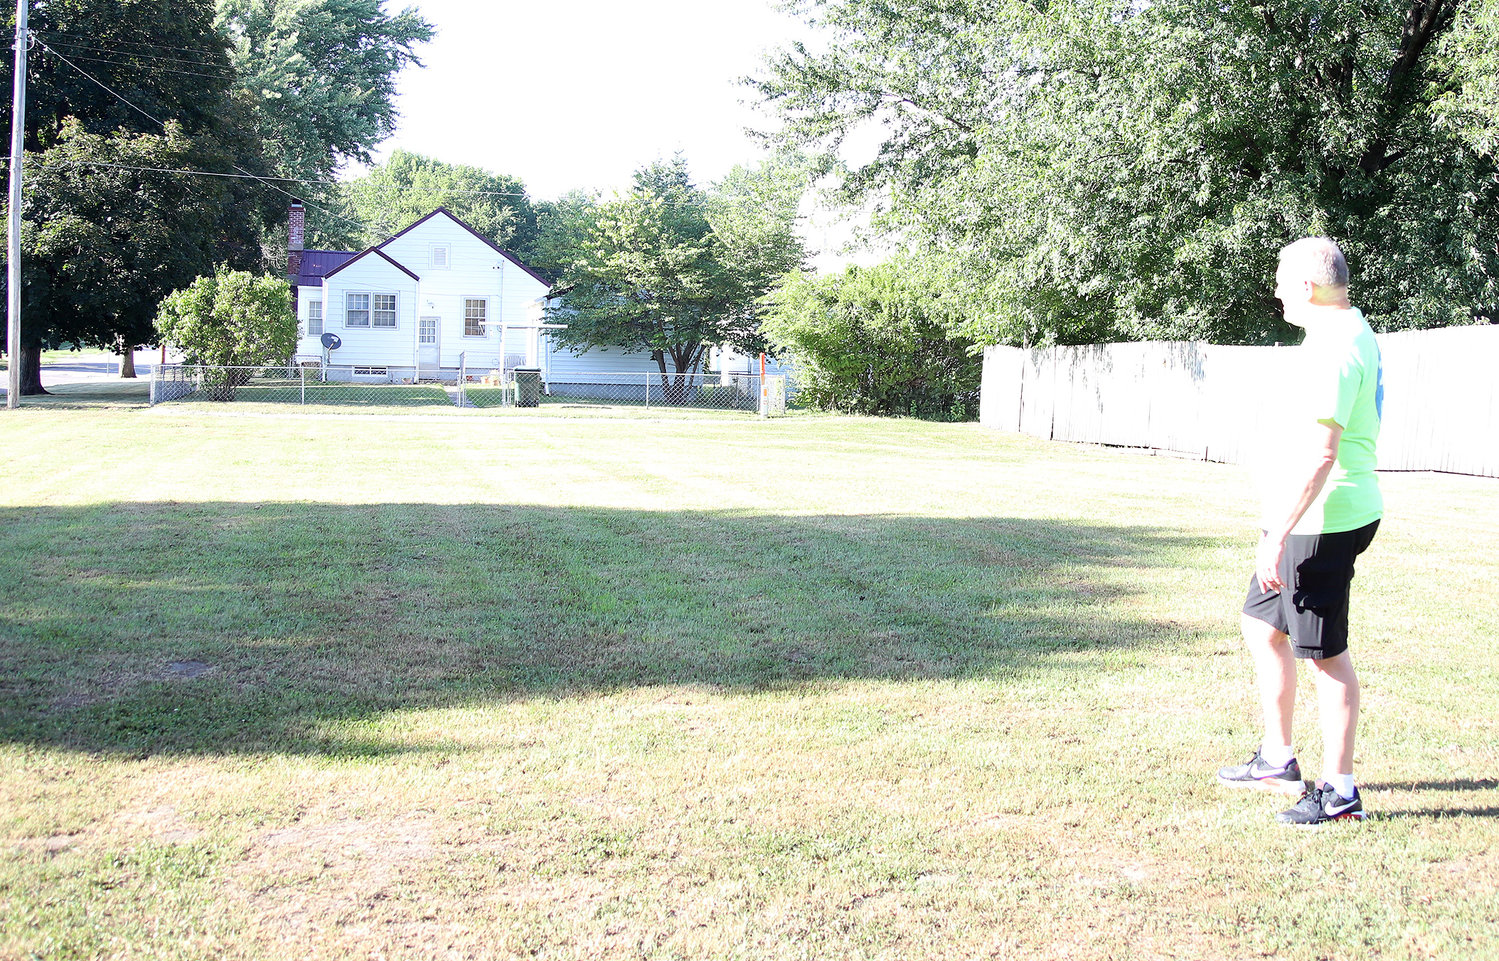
point(1318, 259)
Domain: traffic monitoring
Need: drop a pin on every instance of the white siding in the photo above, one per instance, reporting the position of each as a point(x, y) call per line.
point(371, 346)
point(309, 344)
point(475, 270)
point(733, 361)
point(561, 363)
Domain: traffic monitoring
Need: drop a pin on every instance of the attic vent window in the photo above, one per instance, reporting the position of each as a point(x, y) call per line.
point(440, 257)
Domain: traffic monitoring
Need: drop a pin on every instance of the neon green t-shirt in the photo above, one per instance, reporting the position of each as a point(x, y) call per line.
point(1340, 378)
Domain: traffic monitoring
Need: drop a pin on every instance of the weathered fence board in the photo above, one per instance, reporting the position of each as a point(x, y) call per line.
point(1441, 409)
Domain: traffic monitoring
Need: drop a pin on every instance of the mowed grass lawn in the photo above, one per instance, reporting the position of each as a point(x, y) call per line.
point(324, 687)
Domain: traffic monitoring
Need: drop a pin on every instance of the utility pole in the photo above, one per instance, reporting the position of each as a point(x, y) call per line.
point(13, 240)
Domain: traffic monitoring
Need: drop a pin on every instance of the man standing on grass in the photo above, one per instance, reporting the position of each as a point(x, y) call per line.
point(1321, 508)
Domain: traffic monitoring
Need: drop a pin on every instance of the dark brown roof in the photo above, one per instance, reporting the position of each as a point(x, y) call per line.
point(317, 264)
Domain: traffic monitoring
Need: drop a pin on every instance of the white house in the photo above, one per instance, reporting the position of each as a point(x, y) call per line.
point(433, 297)
point(437, 298)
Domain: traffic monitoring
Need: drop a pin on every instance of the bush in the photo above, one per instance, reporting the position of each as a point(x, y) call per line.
point(873, 341)
point(232, 319)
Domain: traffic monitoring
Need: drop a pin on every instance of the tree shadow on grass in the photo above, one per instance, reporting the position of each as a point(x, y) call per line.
point(143, 628)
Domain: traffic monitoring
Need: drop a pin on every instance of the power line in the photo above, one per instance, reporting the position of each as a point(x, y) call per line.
point(228, 78)
point(265, 180)
point(189, 172)
point(134, 43)
point(161, 124)
point(224, 64)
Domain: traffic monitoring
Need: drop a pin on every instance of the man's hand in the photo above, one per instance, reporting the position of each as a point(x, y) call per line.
point(1324, 442)
point(1267, 563)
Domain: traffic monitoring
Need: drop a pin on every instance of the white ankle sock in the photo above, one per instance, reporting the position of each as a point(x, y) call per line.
point(1276, 753)
point(1342, 783)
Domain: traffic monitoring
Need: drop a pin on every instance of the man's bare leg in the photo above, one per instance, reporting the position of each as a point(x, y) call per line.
point(1275, 669)
point(1337, 709)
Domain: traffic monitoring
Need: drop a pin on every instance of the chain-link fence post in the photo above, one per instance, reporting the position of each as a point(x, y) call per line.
point(303, 371)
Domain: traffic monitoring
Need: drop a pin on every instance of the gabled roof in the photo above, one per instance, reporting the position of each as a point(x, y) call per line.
point(489, 243)
point(317, 264)
point(378, 253)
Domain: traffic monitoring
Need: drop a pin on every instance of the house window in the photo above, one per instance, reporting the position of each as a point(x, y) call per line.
point(475, 314)
point(384, 314)
point(370, 310)
point(314, 317)
point(357, 310)
point(440, 257)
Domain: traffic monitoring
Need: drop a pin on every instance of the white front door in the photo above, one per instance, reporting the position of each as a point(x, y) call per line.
point(428, 355)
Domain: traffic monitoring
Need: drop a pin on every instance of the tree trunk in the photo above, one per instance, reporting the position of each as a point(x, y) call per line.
point(31, 370)
point(127, 361)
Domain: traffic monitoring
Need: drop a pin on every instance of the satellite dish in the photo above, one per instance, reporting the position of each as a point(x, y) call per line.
point(331, 341)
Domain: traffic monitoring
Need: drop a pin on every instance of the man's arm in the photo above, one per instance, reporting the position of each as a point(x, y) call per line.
point(1324, 441)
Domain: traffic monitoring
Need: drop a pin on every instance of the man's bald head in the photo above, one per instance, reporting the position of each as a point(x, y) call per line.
point(1316, 259)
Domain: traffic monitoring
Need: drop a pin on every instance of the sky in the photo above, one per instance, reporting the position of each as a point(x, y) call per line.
point(580, 93)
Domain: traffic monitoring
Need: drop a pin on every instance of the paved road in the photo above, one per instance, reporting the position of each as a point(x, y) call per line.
point(91, 367)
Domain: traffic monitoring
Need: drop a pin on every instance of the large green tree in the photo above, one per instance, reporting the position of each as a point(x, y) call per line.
point(321, 77)
point(109, 229)
point(562, 228)
point(109, 225)
point(1087, 170)
point(408, 186)
point(673, 269)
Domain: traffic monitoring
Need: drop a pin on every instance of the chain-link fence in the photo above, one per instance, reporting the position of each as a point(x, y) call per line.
point(353, 386)
point(296, 385)
point(528, 388)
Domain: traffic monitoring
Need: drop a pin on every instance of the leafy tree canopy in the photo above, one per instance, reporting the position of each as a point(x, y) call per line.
point(562, 226)
point(1087, 170)
point(674, 269)
point(231, 318)
point(408, 186)
point(109, 226)
point(108, 230)
point(163, 57)
point(322, 75)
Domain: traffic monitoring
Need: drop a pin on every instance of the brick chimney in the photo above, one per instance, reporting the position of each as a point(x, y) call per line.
point(296, 229)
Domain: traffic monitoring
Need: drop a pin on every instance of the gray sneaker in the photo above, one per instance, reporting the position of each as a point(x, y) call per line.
point(1322, 804)
point(1262, 776)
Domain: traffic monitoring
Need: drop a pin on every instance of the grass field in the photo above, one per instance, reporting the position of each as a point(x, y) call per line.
point(660, 687)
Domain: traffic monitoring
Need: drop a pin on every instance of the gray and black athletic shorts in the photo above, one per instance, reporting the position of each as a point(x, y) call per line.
point(1313, 609)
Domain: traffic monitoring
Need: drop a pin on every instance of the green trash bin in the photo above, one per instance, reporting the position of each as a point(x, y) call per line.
point(527, 386)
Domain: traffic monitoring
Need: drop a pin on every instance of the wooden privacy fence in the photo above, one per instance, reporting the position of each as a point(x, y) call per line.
point(1441, 406)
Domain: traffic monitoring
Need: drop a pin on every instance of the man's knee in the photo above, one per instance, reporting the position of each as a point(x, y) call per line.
point(1256, 631)
point(1337, 669)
